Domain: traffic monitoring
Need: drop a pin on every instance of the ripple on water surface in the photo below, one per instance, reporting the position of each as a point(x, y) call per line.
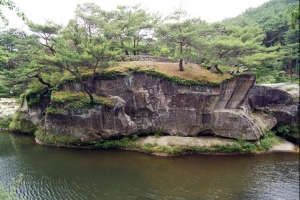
point(54, 173)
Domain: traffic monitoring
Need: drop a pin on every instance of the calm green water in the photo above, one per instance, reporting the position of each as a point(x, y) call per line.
point(56, 173)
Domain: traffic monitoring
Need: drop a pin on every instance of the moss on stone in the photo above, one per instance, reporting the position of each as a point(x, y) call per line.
point(4, 123)
point(21, 124)
point(56, 138)
point(65, 100)
point(34, 94)
point(239, 147)
point(155, 71)
point(107, 74)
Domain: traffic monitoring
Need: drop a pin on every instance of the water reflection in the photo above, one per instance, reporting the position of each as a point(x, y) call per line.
point(54, 173)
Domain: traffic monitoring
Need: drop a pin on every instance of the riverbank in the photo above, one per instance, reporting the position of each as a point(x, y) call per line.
point(61, 173)
point(176, 145)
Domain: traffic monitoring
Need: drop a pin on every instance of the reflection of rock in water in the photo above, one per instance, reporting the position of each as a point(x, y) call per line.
point(145, 104)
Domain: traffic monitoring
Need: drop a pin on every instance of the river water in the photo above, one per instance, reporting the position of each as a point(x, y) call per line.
point(58, 173)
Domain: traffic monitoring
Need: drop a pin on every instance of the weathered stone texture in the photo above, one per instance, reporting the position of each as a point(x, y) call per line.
point(282, 105)
point(145, 104)
point(8, 107)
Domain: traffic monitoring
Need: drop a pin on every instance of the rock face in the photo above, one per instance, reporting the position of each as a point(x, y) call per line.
point(145, 105)
point(27, 118)
point(8, 107)
point(282, 105)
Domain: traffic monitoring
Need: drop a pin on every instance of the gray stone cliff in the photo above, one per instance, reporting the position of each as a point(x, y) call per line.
point(145, 105)
point(281, 104)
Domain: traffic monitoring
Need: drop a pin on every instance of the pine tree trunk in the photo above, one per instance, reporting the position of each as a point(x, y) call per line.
point(215, 69)
point(88, 92)
point(181, 65)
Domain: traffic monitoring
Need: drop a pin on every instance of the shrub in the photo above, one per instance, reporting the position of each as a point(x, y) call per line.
point(147, 147)
point(75, 101)
point(4, 123)
point(134, 137)
point(34, 93)
point(283, 129)
point(268, 139)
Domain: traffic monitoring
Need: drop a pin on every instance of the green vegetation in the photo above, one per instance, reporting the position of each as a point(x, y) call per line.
point(180, 31)
point(4, 123)
point(268, 140)
point(11, 6)
point(277, 20)
point(290, 133)
point(133, 142)
point(66, 100)
point(195, 75)
point(106, 74)
point(11, 193)
point(21, 124)
point(176, 79)
point(262, 40)
point(56, 138)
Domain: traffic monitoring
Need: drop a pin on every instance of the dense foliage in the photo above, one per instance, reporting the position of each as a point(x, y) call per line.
point(263, 40)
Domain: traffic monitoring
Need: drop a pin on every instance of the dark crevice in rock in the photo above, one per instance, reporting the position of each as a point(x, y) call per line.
point(206, 132)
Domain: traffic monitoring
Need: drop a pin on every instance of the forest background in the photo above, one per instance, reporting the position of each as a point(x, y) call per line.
point(262, 40)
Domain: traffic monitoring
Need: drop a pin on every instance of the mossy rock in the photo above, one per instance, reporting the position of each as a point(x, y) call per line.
point(20, 124)
point(64, 100)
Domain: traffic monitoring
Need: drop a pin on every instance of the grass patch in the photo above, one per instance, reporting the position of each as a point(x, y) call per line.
point(65, 100)
point(241, 146)
point(193, 73)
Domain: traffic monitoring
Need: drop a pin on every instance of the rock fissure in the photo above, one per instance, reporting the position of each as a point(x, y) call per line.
point(147, 105)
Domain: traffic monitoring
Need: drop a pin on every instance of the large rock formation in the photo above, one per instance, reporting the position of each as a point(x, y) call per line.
point(281, 104)
point(145, 105)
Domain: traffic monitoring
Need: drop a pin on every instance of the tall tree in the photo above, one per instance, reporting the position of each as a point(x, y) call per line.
point(294, 13)
point(134, 28)
point(89, 56)
point(181, 31)
point(76, 52)
point(290, 53)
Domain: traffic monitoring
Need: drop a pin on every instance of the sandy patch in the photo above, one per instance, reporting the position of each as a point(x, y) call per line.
point(185, 141)
point(285, 146)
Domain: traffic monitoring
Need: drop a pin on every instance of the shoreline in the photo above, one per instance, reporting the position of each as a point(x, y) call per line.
point(282, 147)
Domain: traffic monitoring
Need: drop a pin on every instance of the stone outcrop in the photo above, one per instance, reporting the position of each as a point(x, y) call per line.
point(281, 104)
point(145, 105)
point(27, 118)
point(8, 107)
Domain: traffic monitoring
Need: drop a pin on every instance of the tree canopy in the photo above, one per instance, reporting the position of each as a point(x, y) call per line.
point(263, 40)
